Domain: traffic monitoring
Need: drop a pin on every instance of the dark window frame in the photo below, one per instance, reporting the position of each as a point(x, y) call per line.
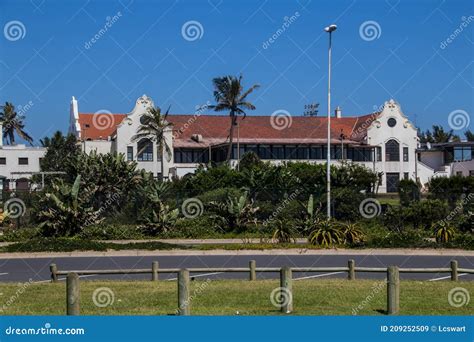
point(392, 151)
point(23, 161)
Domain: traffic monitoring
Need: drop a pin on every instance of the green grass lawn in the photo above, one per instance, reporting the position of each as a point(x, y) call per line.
point(219, 297)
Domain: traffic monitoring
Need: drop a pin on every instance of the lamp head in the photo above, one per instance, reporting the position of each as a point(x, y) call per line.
point(330, 28)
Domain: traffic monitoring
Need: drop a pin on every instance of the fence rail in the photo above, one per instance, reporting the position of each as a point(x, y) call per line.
point(286, 279)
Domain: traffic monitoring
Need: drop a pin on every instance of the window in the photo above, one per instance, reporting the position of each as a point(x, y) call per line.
point(379, 153)
point(391, 122)
point(392, 151)
point(315, 152)
point(191, 156)
point(405, 154)
point(471, 173)
point(145, 150)
point(290, 152)
point(22, 161)
point(406, 175)
point(462, 153)
point(265, 152)
point(129, 153)
point(458, 173)
point(3, 161)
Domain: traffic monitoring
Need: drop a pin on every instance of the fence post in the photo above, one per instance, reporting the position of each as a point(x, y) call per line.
point(154, 270)
point(253, 273)
point(454, 270)
point(393, 290)
point(54, 273)
point(183, 293)
point(351, 275)
point(73, 294)
point(286, 290)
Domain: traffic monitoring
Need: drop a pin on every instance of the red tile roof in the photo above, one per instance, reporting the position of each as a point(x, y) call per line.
point(214, 129)
point(99, 126)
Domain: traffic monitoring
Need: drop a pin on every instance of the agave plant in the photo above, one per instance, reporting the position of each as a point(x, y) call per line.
point(326, 234)
point(236, 212)
point(284, 232)
point(445, 233)
point(162, 219)
point(352, 233)
point(311, 216)
point(66, 210)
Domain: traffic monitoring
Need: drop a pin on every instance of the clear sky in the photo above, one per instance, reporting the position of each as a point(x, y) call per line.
point(381, 50)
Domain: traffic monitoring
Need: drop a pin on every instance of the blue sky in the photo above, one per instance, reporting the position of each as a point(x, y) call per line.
point(144, 51)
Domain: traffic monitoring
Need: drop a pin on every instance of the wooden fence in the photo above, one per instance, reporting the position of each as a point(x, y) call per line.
point(286, 279)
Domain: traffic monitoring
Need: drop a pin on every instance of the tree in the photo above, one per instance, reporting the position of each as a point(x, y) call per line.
point(61, 150)
point(153, 126)
point(469, 135)
point(12, 122)
point(440, 136)
point(229, 96)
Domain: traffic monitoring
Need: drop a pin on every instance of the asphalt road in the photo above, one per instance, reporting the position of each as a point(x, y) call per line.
point(37, 269)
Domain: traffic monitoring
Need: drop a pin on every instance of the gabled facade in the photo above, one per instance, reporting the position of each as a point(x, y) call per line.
point(384, 141)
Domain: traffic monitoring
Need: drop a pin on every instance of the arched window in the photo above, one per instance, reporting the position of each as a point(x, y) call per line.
point(392, 150)
point(145, 150)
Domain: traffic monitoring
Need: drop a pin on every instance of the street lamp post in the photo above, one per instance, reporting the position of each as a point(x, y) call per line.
point(330, 29)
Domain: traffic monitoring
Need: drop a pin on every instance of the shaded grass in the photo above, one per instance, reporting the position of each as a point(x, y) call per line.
point(232, 297)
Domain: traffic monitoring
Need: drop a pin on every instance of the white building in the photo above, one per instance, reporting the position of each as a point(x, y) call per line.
point(384, 141)
point(17, 164)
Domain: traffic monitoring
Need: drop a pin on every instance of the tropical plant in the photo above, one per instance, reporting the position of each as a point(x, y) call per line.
point(326, 234)
point(351, 233)
point(444, 233)
point(162, 219)
point(230, 96)
point(311, 216)
point(283, 231)
point(65, 211)
point(13, 123)
point(235, 213)
point(153, 127)
point(409, 191)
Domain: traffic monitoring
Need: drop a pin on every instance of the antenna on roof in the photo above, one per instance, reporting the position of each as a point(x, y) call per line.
point(311, 109)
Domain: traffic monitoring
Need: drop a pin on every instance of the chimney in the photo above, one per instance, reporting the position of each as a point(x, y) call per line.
point(338, 112)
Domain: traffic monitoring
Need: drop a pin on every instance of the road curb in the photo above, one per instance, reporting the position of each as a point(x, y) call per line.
point(294, 251)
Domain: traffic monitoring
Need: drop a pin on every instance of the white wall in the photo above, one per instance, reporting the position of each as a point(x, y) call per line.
point(463, 167)
point(12, 153)
point(379, 132)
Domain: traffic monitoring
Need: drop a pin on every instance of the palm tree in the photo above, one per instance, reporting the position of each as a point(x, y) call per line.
point(12, 122)
point(153, 126)
point(229, 96)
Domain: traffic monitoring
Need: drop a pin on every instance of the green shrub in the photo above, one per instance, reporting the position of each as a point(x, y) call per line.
point(326, 234)
point(111, 232)
point(283, 231)
point(409, 191)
